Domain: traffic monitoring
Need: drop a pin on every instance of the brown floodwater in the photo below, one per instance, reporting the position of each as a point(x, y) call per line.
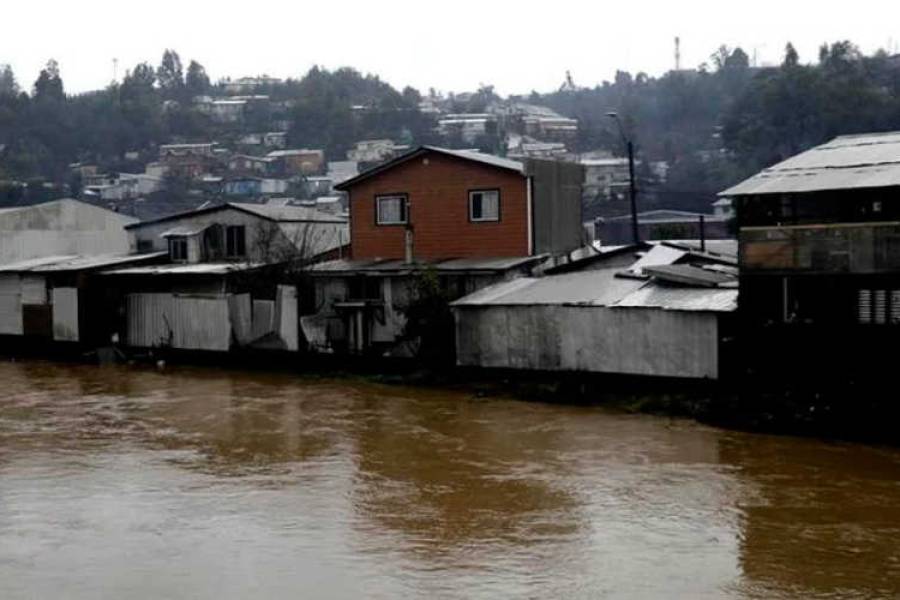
point(188, 483)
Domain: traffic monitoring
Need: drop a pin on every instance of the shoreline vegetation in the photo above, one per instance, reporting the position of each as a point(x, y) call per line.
point(846, 410)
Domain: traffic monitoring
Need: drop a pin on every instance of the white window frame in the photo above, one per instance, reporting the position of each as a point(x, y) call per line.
point(404, 203)
point(482, 219)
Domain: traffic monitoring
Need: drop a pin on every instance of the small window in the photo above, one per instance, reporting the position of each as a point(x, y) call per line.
point(484, 205)
point(178, 248)
point(235, 241)
point(391, 210)
point(145, 245)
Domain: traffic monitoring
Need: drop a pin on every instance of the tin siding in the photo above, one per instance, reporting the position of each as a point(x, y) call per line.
point(65, 314)
point(148, 325)
point(201, 323)
point(34, 289)
point(10, 305)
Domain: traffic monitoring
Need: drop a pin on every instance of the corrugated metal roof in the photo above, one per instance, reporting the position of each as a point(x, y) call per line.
point(689, 275)
point(398, 266)
point(590, 288)
point(187, 269)
point(75, 262)
point(81, 263)
point(658, 255)
point(288, 213)
point(185, 230)
point(846, 162)
point(681, 298)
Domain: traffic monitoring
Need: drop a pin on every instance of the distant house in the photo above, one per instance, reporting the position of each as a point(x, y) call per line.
point(374, 151)
point(467, 126)
point(188, 160)
point(125, 186)
point(468, 219)
point(247, 85)
point(244, 163)
point(300, 161)
point(605, 178)
point(663, 224)
point(61, 227)
point(254, 186)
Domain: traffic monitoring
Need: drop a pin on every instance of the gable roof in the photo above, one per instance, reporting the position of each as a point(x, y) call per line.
point(276, 214)
point(846, 162)
point(479, 157)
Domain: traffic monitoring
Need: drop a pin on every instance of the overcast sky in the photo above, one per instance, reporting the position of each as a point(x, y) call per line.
point(455, 45)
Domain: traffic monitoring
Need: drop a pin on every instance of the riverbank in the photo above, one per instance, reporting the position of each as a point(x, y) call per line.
point(846, 410)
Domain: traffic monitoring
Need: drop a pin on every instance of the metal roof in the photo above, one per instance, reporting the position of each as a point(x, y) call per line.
point(690, 275)
point(283, 213)
point(487, 159)
point(600, 289)
point(588, 288)
point(846, 162)
point(668, 216)
point(75, 262)
point(397, 266)
point(681, 298)
point(187, 269)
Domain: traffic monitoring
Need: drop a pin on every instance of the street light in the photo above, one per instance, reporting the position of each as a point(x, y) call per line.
point(632, 189)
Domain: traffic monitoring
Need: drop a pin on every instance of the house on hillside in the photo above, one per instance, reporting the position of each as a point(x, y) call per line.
point(820, 257)
point(465, 218)
point(303, 161)
point(61, 227)
point(663, 224)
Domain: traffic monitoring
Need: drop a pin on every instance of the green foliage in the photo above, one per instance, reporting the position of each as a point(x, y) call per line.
point(429, 321)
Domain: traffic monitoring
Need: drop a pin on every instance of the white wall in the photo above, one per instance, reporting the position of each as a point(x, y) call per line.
point(62, 227)
point(633, 341)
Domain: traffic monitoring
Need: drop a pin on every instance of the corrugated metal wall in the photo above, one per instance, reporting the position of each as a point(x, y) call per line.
point(241, 317)
point(34, 289)
point(288, 331)
point(10, 305)
point(186, 322)
point(65, 314)
point(598, 339)
point(149, 320)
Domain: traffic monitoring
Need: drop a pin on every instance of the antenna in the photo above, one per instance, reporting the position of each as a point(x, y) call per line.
point(677, 53)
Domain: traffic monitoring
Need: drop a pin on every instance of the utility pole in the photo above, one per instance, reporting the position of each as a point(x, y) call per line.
point(632, 190)
point(632, 186)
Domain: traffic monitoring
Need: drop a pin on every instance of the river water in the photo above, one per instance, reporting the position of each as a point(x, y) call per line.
point(130, 483)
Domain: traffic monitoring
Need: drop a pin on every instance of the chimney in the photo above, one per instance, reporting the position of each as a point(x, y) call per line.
point(408, 245)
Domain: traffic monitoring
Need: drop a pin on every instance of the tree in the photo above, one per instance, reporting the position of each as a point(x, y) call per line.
point(49, 84)
point(791, 58)
point(8, 84)
point(196, 81)
point(170, 74)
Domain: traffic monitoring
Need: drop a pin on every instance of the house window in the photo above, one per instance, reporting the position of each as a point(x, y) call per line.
point(391, 210)
point(235, 241)
point(484, 205)
point(178, 249)
point(145, 245)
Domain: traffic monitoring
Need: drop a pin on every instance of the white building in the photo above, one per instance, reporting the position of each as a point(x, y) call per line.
point(61, 227)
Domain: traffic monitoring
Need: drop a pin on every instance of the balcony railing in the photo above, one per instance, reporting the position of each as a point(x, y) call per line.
point(832, 248)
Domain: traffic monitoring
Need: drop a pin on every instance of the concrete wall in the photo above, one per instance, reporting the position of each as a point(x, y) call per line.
point(582, 338)
point(61, 227)
point(556, 205)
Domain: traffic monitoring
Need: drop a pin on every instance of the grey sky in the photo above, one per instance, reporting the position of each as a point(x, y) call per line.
point(452, 46)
